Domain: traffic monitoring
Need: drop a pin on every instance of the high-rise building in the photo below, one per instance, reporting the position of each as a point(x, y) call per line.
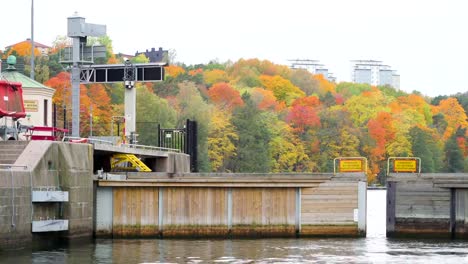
point(314, 67)
point(374, 73)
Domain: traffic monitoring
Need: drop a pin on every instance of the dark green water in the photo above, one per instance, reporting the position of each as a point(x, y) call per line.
point(375, 248)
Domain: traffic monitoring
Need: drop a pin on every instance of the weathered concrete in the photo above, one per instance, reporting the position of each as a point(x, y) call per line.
point(427, 205)
point(47, 166)
point(231, 205)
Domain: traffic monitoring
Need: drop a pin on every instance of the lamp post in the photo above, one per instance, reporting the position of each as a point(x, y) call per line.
point(31, 74)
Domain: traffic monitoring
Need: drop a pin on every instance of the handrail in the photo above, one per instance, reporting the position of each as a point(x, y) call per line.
point(101, 141)
point(91, 140)
point(150, 147)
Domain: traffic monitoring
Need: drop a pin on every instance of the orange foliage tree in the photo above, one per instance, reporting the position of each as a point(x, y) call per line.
point(264, 99)
point(381, 129)
point(225, 96)
point(302, 117)
point(101, 109)
point(23, 49)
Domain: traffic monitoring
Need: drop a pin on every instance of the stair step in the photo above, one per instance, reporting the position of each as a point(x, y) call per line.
point(7, 161)
point(8, 155)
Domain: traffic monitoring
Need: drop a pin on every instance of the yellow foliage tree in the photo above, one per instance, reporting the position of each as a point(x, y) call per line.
point(324, 85)
point(282, 88)
point(174, 70)
point(287, 151)
point(215, 76)
point(454, 115)
point(221, 140)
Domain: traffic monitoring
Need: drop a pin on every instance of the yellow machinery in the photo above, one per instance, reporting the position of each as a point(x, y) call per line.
point(127, 162)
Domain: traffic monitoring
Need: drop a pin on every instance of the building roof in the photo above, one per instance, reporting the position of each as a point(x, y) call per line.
point(36, 44)
point(12, 75)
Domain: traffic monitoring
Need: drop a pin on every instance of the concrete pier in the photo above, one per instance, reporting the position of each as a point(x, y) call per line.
point(45, 193)
point(49, 190)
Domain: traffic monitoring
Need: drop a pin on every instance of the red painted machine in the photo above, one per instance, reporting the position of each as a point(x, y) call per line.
point(11, 109)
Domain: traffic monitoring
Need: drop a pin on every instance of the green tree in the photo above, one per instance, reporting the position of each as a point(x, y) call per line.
point(454, 161)
point(151, 111)
point(423, 146)
point(190, 105)
point(253, 154)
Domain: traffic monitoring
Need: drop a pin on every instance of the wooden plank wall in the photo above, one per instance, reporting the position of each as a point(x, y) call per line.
point(422, 200)
point(421, 209)
point(329, 209)
point(243, 211)
point(194, 206)
point(135, 211)
point(263, 211)
point(263, 206)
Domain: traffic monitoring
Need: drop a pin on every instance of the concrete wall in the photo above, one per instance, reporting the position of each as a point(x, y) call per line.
point(48, 165)
point(427, 205)
point(238, 205)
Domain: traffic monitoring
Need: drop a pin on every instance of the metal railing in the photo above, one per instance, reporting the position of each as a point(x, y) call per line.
point(124, 145)
point(150, 147)
point(89, 140)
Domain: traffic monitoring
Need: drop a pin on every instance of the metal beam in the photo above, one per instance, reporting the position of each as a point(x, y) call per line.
point(115, 73)
point(78, 30)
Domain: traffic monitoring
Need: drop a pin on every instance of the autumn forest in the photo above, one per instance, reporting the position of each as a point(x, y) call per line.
point(257, 116)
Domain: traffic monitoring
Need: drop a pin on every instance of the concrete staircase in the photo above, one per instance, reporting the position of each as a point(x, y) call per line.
point(10, 150)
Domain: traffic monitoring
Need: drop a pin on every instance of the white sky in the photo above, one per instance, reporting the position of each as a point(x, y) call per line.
point(426, 41)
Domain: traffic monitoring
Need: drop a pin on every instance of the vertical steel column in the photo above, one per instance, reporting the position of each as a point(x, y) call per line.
point(75, 79)
point(130, 111)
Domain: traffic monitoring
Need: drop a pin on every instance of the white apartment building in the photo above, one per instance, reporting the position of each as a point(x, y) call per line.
point(313, 66)
point(374, 73)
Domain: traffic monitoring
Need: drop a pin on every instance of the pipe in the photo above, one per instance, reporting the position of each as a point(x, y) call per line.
point(10, 167)
point(13, 224)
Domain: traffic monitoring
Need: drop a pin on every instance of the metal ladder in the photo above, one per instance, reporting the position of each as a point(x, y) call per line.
point(121, 162)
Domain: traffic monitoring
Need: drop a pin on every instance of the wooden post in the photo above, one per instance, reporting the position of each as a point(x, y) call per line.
point(391, 196)
point(160, 210)
point(453, 203)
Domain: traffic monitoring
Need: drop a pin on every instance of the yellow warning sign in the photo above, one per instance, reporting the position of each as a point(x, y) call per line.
point(404, 165)
point(351, 165)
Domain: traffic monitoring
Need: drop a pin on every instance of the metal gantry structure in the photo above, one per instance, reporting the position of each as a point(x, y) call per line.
point(84, 71)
